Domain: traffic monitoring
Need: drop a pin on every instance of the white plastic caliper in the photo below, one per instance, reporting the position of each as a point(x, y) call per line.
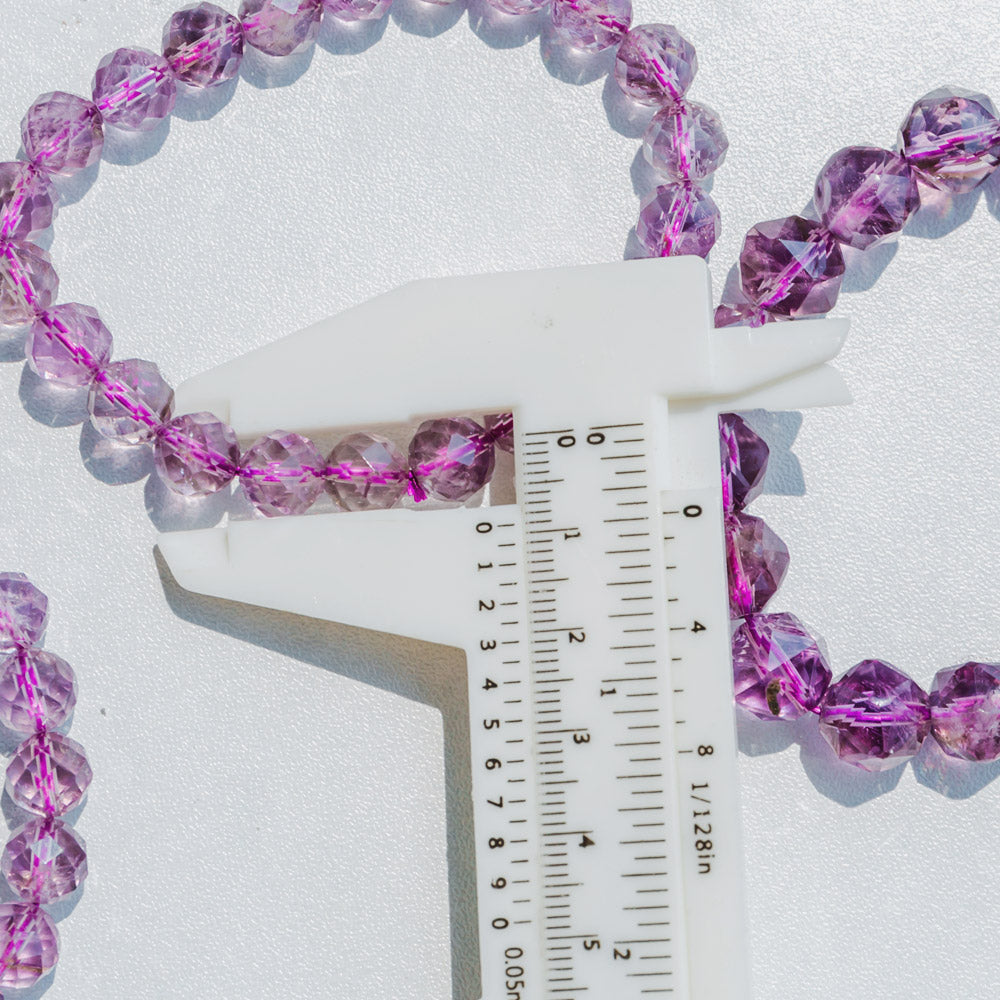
point(593, 611)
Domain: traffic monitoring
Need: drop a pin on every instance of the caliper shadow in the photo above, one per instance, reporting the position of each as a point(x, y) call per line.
point(423, 672)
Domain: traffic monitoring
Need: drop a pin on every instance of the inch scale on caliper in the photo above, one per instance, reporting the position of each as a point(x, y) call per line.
point(592, 612)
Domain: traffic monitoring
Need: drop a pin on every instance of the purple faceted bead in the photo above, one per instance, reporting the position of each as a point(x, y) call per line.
point(37, 691)
point(280, 27)
point(791, 267)
point(357, 10)
point(29, 944)
point(196, 454)
point(965, 710)
point(500, 431)
point(62, 133)
point(130, 400)
point(655, 64)
point(366, 472)
point(678, 220)
point(24, 612)
point(864, 195)
point(449, 459)
point(68, 344)
point(44, 860)
point(48, 774)
point(203, 45)
point(744, 462)
point(516, 7)
point(741, 312)
point(874, 717)
point(778, 668)
point(685, 141)
point(134, 89)
point(282, 474)
point(591, 25)
point(27, 201)
point(28, 282)
point(757, 560)
point(952, 139)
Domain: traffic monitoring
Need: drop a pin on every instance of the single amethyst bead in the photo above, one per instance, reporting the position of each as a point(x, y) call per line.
point(27, 201)
point(203, 45)
point(874, 717)
point(134, 89)
point(951, 137)
point(29, 944)
point(37, 691)
point(965, 710)
point(130, 400)
point(864, 195)
point(678, 220)
point(62, 133)
point(24, 612)
point(68, 344)
point(44, 860)
point(366, 472)
point(655, 64)
point(282, 474)
point(778, 668)
point(48, 774)
point(196, 454)
point(591, 25)
point(744, 462)
point(685, 141)
point(280, 27)
point(757, 560)
point(449, 460)
point(357, 10)
point(791, 267)
point(28, 282)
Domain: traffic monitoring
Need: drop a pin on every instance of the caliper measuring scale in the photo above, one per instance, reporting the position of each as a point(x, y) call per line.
point(593, 611)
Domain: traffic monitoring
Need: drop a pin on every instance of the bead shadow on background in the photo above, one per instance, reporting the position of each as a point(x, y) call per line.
point(342, 39)
point(504, 31)
point(427, 20)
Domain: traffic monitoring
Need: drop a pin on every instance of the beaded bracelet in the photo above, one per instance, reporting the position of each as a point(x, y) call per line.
point(45, 859)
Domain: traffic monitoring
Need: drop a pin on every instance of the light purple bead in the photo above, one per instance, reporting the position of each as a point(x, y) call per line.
point(678, 220)
point(27, 201)
point(280, 27)
point(874, 717)
point(130, 400)
point(44, 860)
point(965, 710)
point(791, 267)
point(37, 691)
point(864, 195)
point(757, 560)
point(685, 141)
point(68, 344)
point(744, 462)
point(951, 137)
point(516, 7)
point(62, 133)
point(448, 459)
point(282, 474)
point(500, 431)
point(655, 64)
point(591, 25)
point(357, 10)
point(24, 612)
point(196, 454)
point(366, 472)
point(48, 774)
point(778, 668)
point(29, 944)
point(28, 282)
point(203, 45)
point(134, 89)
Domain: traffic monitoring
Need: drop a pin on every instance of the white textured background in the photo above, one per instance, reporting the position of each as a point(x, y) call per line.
point(268, 816)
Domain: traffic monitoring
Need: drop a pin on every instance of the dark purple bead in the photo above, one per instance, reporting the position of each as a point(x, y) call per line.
point(203, 45)
point(744, 462)
point(757, 560)
point(449, 459)
point(965, 710)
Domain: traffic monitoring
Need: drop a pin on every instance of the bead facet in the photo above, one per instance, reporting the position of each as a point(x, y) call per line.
point(678, 220)
point(203, 45)
point(29, 944)
point(874, 717)
point(68, 344)
point(744, 462)
point(282, 474)
point(37, 691)
point(28, 282)
point(757, 560)
point(24, 612)
point(965, 710)
point(280, 27)
point(366, 472)
point(357, 10)
point(27, 201)
point(685, 141)
point(134, 89)
point(130, 400)
point(778, 667)
point(62, 133)
point(591, 25)
point(448, 459)
point(196, 454)
point(44, 860)
point(49, 774)
point(655, 64)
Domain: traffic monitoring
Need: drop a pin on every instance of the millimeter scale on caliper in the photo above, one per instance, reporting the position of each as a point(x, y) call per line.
point(593, 611)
